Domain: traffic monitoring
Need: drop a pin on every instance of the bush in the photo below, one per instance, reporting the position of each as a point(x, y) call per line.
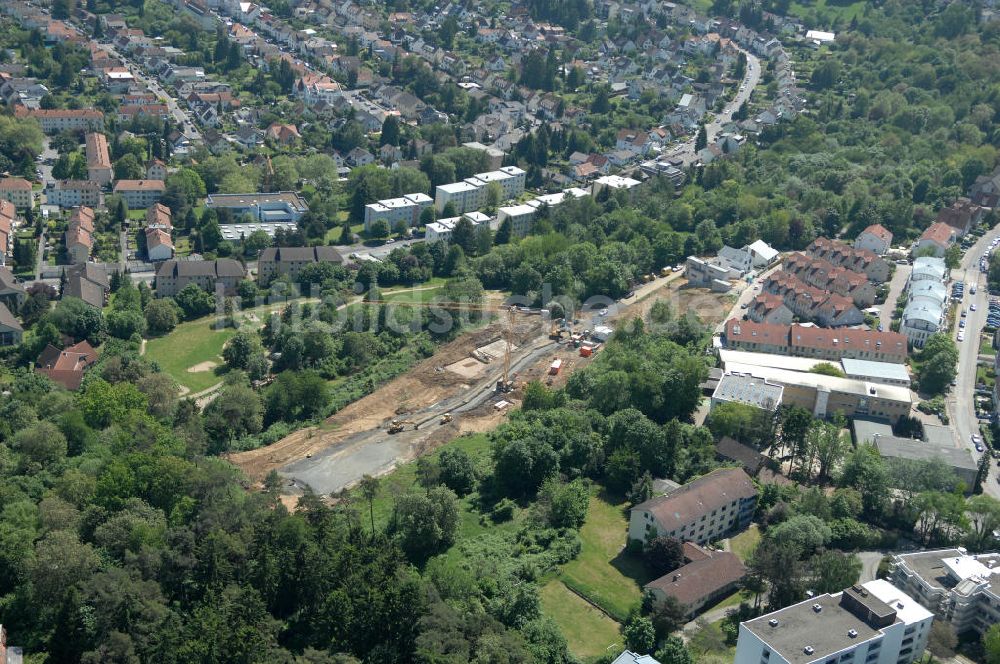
point(503, 510)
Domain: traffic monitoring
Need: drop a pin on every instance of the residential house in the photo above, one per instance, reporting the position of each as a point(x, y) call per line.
point(88, 282)
point(962, 215)
point(824, 275)
point(289, 261)
point(874, 623)
point(67, 366)
point(815, 342)
point(79, 236)
point(359, 157)
point(17, 191)
point(876, 239)
point(935, 240)
point(159, 245)
point(703, 510)
point(873, 266)
point(282, 134)
point(173, 275)
point(54, 121)
point(11, 331)
point(140, 193)
point(99, 168)
point(8, 223)
point(985, 190)
point(12, 293)
point(73, 193)
point(405, 209)
point(770, 308)
point(156, 170)
point(706, 578)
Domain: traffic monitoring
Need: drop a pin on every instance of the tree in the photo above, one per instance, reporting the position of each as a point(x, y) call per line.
point(194, 302)
point(701, 140)
point(866, 471)
point(804, 533)
point(662, 555)
point(369, 489)
point(464, 236)
point(125, 324)
point(236, 412)
point(238, 350)
point(161, 316)
point(43, 443)
point(457, 471)
point(667, 615)
point(833, 571)
point(504, 232)
point(425, 524)
point(991, 644)
point(942, 640)
point(984, 518)
point(674, 651)
point(640, 636)
point(390, 131)
point(379, 229)
point(565, 503)
point(129, 168)
point(938, 359)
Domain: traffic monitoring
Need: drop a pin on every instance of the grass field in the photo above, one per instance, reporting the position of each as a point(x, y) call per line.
point(743, 545)
point(835, 8)
point(188, 345)
point(603, 572)
point(588, 632)
point(986, 346)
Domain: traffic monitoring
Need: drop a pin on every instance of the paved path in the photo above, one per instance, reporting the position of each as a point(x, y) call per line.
point(896, 286)
point(40, 256)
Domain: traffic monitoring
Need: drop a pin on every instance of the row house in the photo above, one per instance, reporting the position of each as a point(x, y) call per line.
point(17, 191)
point(128, 113)
point(79, 236)
point(876, 239)
point(962, 215)
point(809, 303)
point(73, 193)
point(8, 223)
point(824, 275)
point(873, 266)
point(815, 342)
point(53, 121)
point(140, 193)
point(99, 168)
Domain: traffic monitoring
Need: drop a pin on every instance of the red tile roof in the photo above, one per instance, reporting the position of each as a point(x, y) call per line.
point(939, 233)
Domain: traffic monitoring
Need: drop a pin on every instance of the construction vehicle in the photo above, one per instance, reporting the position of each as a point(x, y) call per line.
point(446, 418)
point(557, 333)
point(397, 426)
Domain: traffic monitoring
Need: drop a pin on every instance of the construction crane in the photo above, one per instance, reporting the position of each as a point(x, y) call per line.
point(505, 383)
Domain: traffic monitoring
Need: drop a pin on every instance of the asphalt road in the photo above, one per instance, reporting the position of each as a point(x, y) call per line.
point(960, 402)
point(180, 116)
point(896, 286)
point(751, 78)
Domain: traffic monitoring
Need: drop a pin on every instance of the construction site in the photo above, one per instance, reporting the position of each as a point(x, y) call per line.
point(468, 385)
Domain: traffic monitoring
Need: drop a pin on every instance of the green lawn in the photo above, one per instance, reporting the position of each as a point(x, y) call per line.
point(588, 632)
point(743, 545)
point(986, 345)
point(188, 345)
point(603, 572)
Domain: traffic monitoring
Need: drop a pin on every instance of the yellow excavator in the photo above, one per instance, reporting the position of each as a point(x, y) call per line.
point(397, 425)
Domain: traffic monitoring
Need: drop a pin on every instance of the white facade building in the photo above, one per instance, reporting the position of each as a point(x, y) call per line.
point(520, 216)
point(470, 194)
point(875, 623)
point(406, 209)
point(926, 304)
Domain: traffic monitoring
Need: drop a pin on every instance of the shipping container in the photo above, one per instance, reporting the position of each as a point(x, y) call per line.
point(555, 367)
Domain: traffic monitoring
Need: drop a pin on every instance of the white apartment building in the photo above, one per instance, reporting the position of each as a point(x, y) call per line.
point(520, 216)
point(701, 511)
point(406, 209)
point(470, 194)
point(442, 229)
point(874, 623)
point(958, 587)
